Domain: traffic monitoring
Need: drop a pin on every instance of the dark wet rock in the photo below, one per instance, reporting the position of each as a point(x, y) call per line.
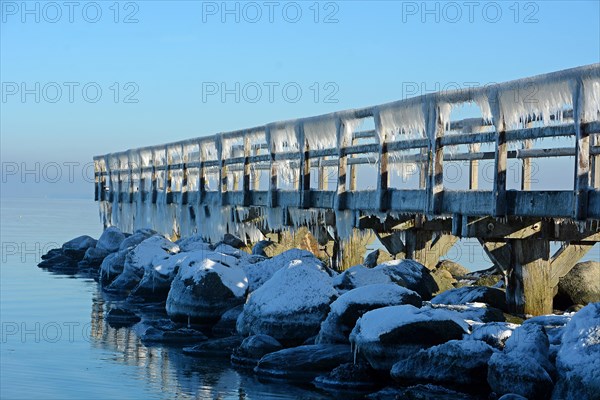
point(59, 262)
point(93, 258)
point(233, 241)
point(291, 305)
point(428, 392)
point(252, 349)
point(512, 396)
point(371, 259)
point(494, 333)
point(349, 307)
point(119, 317)
point(473, 294)
point(226, 324)
point(480, 312)
point(207, 284)
point(519, 374)
point(136, 238)
point(52, 253)
point(303, 363)
point(175, 337)
point(111, 239)
point(386, 335)
point(455, 269)
point(112, 266)
point(454, 363)
point(350, 377)
point(578, 359)
point(581, 285)
point(259, 248)
point(76, 248)
point(222, 347)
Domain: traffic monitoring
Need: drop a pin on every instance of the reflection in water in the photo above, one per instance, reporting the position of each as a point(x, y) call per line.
point(172, 372)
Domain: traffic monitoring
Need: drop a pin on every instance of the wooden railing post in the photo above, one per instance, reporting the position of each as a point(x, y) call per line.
point(223, 173)
point(130, 189)
point(201, 175)
point(119, 180)
point(342, 141)
point(596, 164)
point(434, 130)
point(582, 155)
point(153, 178)
point(304, 178)
point(272, 202)
point(184, 174)
point(383, 177)
point(247, 172)
point(499, 189)
point(169, 176)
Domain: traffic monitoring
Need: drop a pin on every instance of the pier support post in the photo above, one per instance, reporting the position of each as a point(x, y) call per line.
point(423, 247)
point(528, 291)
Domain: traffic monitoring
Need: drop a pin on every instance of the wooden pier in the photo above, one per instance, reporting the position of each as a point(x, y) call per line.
point(258, 180)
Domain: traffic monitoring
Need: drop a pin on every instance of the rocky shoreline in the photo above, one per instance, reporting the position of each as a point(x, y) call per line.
point(386, 331)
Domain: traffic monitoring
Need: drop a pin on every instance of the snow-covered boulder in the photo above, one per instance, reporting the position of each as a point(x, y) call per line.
point(582, 284)
point(111, 239)
point(151, 251)
point(76, 248)
point(554, 325)
point(136, 238)
point(157, 279)
point(292, 304)
point(479, 312)
point(206, 285)
point(408, 273)
point(386, 335)
point(345, 311)
point(193, 243)
point(520, 374)
point(494, 333)
point(260, 272)
point(457, 362)
point(473, 294)
point(253, 348)
point(578, 360)
point(303, 363)
point(112, 266)
point(531, 339)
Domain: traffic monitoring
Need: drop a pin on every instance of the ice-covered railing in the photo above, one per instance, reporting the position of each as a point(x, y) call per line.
point(227, 169)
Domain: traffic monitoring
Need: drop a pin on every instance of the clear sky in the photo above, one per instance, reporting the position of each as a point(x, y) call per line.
point(83, 78)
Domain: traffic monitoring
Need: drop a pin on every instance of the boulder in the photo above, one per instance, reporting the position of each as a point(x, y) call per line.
point(578, 359)
point(112, 266)
point(76, 248)
point(252, 349)
point(174, 337)
point(226, 326)
point(93, 258)
point(386, 335)
point(260, 272)
point(443, 279)
point(136, 238)
point(493, 333)
point(473, 294)
point(457, 362)
point(59, 262)
point(52, 253)
point(119, 317)
point(303, 363)
point(531, 339)
point(349, 307)
point(259, 248)
point(479, 312)
point(111, 239)
point(420, 392)
point(233, 241)
point(351, 378)
point(206, 285)
point(582, 284)
point(455, 269)
point(512, 373)
point(193, 243)
point(222, 347)
point(371, 259)
point(291, 305)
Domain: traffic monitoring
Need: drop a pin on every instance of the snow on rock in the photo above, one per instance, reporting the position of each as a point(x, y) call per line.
point(493, 333)
point(206, 285)
point(111, 239)
point(457, 362)
point(292, 304)
point(193, 243)
point(345, 311)
point(151, 251)
point(138, 237)
point(473, 294)
point(253, 348)
point(76, 248)
point(157, 279)
point(520, 374)
point(303, 363)
point(479, 312)
point(531, 339)
point(262, 271)
point(578, 360)
point(386, 335)
point(359, 275)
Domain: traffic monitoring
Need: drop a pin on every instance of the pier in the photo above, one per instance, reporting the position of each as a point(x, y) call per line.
point(304, 173)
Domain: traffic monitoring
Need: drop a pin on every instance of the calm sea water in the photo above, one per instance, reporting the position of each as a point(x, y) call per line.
point(55, 344)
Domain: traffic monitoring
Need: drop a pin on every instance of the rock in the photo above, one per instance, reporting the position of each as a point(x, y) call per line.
point(52, 253)
point(119, 317)
point(138, 237)
point(226, 326)
point(512, 396)
point(520, 374)
point(457, 362)
point(206, 285)
point(303, 363)
point(111, 239)
point(443, 279)
point(371, 259)
point(193, 243)
point(93, 258)
point(479, 312)
point(259, 248)
point(233, 241)
point(531, 339)
point(59, 262)
point(582, 284)
point(578, 359)
point(222, 347)
point(291, 305)
point(112, 266)
point(420, 392)
point(145, 255)
point(473, 294)
point(494, 333)
point(345, 311)
point(252, 349)
point(174, 337)
point(76, 248)
point(260, 272)
point(455, 269)
point(492, 280)
point(349, 377)
point(386, 335)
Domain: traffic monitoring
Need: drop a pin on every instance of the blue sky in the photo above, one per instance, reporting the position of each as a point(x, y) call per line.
point(357, 53)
